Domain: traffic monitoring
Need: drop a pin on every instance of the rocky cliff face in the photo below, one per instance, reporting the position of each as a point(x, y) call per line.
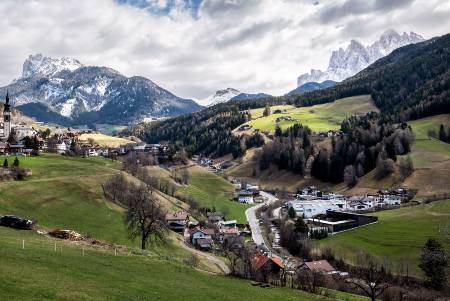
point(347, 62)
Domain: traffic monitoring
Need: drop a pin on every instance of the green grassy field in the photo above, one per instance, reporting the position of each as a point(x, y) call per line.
point(213, 191)
point(66, 193)
point(105, 140)
point(319, 117)
point(425, 148)
point(399, 235)
point(39, 273)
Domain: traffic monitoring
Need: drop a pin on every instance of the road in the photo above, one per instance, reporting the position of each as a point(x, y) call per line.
point(222, 265)
point(253, 221)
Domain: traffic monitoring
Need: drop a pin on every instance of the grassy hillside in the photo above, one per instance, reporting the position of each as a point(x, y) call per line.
point(105, 140)
point(319, 117)
point(66, 193)
point(40, 273)
point(398, 236)
point(213, 191)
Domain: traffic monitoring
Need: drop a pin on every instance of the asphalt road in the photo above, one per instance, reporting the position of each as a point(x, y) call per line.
point(253, 221)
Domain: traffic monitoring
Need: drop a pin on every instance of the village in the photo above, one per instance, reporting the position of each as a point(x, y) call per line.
point(259, 244)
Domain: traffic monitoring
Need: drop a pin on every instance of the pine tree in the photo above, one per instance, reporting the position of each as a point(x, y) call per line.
point(434, 261)
point(278, 131)
point(300, 226)
point(292, 213)
point(16, 162)
point(442, 134)
point(5, 163)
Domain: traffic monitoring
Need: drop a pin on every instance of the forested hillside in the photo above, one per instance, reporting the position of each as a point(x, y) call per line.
point(410, 83)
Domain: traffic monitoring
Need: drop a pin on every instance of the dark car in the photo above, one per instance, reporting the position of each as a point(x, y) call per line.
point(13, 221)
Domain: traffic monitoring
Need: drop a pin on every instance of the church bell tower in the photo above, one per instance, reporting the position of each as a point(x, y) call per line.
point(7, 117)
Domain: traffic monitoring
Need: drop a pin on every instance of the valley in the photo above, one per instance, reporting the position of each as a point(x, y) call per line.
point(225, 150)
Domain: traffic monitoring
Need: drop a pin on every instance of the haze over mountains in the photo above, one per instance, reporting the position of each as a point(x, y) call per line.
point(356, 57)
point(67, 92)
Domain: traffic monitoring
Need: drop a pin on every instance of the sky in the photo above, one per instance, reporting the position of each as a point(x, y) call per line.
point(195, 47)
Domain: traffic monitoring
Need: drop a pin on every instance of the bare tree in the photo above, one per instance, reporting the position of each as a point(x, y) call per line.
point(144, 215)
point(115, 188)
point(350, 176)
point(371, 279)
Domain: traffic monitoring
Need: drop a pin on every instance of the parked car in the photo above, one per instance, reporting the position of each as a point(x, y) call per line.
point(13, 221)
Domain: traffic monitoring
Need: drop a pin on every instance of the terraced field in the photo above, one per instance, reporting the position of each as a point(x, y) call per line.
point(319, 117)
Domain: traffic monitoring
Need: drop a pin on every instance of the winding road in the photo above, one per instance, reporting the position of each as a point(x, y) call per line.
point(253, 221)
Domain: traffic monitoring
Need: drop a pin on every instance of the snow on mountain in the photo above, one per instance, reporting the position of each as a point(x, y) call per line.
point(356, 57)
point(39, 65)
point(64, 91)
point(220, 96)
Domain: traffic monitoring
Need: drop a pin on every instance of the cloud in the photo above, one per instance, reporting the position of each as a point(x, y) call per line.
point(347, 8)
point(194, 48)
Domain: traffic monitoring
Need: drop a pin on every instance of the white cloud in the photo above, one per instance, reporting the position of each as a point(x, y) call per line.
point(250, 45)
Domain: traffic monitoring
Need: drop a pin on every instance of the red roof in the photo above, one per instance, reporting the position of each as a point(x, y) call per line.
point(229, 231)
point(319, 266)
point(177, 216)
point(259, 260)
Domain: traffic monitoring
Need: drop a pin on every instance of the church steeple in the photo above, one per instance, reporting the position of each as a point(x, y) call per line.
point(7, 105)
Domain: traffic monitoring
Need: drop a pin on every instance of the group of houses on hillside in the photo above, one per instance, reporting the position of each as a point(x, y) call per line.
point(214, 231)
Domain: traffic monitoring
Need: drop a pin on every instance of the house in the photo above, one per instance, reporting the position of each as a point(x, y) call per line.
point(204, 244)
point(392, 199)
point(61, 147)
point(23, 131)
point(267, 265)
point(251, 187)
point(177, 221)
point(320, 266)
point(245, 127)
point(236, 184)
point(227, 224)
point(197, 233)
point(3, 147)
point(215, 217)
point(16, 148)
point(245, 197)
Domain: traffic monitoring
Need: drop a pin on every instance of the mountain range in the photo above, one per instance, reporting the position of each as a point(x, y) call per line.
point(230, 94)
point(65, 91)
point(311, 86)
point(356, 57)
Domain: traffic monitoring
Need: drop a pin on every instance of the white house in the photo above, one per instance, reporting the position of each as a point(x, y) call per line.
point(392, 200)
point(23, 131)
point(252, 187)
point(61, 147)
point(246, 197)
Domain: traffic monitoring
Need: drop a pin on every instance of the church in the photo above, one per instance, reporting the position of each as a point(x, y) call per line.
point(5, 123)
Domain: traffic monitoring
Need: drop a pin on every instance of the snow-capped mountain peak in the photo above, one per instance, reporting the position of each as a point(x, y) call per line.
point(220, 96)
point(39, 65)
point(347, 62)
point(64, 91)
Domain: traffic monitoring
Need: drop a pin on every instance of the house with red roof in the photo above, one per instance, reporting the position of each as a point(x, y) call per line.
point(265, 266)
point(321, 266)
